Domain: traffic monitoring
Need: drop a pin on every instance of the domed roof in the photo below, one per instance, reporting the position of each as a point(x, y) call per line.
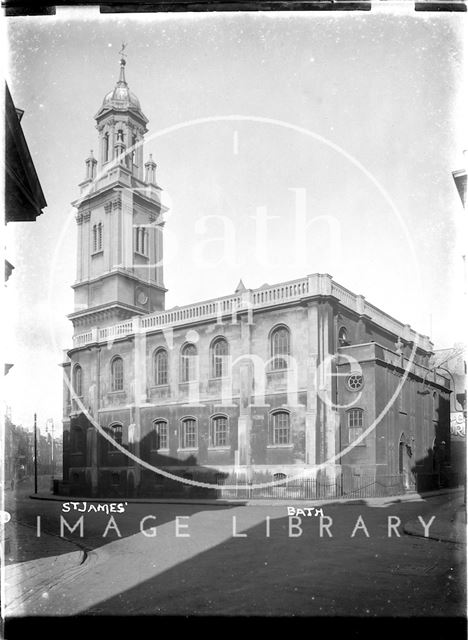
point(120, 98)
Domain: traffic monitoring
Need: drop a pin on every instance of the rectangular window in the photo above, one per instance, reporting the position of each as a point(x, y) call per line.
point(97, 237)
point(281, 431)
point(141, 241)
point(117, 433)
point(189, 364)
point(160, 435)
point(355, 424)
point(161, 367)
point(218, 366)
point(355, 418)
point(219, 432)
point(189, 434)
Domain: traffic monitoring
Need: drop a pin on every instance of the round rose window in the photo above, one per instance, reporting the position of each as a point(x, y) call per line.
point(355, 382)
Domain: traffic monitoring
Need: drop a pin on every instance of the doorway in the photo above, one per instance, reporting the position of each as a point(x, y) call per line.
point(405, 455)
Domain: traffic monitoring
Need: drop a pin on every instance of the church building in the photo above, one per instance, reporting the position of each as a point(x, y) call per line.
point(299, 380)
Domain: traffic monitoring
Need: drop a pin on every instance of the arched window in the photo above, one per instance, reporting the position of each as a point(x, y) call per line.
point(160, 366)
point(435, 408)
point(219, 354)
point(279, 346)
point(160, 435)
point(355, 424)
point(401, 454)
point(134, 141)
point(219, 431)
point(106, 147)
point(280, 432)
point(188, 435)
point(117, 374)
point(141, 240)
point(343, 337)
point(188, 363)
point(78, 381)
point(137, 239)
point(97, 237)
point(116, 432)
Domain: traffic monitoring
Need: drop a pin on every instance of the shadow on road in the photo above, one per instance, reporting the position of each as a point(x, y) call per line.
point(279, 569)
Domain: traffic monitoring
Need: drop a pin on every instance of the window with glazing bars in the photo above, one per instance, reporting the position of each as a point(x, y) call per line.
point(280, 429)
point(219, 431)
point(189, 434)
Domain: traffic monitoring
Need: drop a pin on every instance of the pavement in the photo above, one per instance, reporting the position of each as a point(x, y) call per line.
point(256, 502)
point(66, 560)
point(211, 571)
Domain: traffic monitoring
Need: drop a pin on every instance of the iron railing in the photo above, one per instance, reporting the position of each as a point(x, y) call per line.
point(352, 487)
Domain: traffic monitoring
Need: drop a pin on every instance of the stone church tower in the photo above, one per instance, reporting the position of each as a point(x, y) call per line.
point(120, 220)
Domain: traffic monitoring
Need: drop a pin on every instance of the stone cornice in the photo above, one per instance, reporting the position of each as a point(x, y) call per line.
point(120, 272)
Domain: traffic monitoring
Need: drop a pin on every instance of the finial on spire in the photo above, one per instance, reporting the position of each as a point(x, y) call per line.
point(240, 287)
point(150, 170)
point(122, 63)
point(91, 163)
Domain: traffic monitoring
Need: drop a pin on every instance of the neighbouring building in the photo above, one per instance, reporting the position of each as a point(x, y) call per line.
point(24, 202)
point(24, 198)
point(18, 461)
point(16, 453)
point(452, 362)
point(258, 385)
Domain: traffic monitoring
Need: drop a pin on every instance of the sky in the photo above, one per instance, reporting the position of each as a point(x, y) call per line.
point(359, 113)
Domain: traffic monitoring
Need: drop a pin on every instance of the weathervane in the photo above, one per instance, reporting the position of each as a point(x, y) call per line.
point(121, 52)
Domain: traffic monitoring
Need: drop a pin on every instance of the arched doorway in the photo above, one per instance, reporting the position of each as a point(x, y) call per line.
point(405, 462)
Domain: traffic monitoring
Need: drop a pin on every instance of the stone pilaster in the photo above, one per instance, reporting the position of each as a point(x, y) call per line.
point(311, 408)
point(321, 421)
point(140, 393)
point(326, 399)
point(158, 231)
point(109, 234)
point(245, 397)
point(86, 245)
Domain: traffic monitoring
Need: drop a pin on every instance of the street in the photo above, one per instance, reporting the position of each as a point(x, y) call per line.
point(205, 559)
